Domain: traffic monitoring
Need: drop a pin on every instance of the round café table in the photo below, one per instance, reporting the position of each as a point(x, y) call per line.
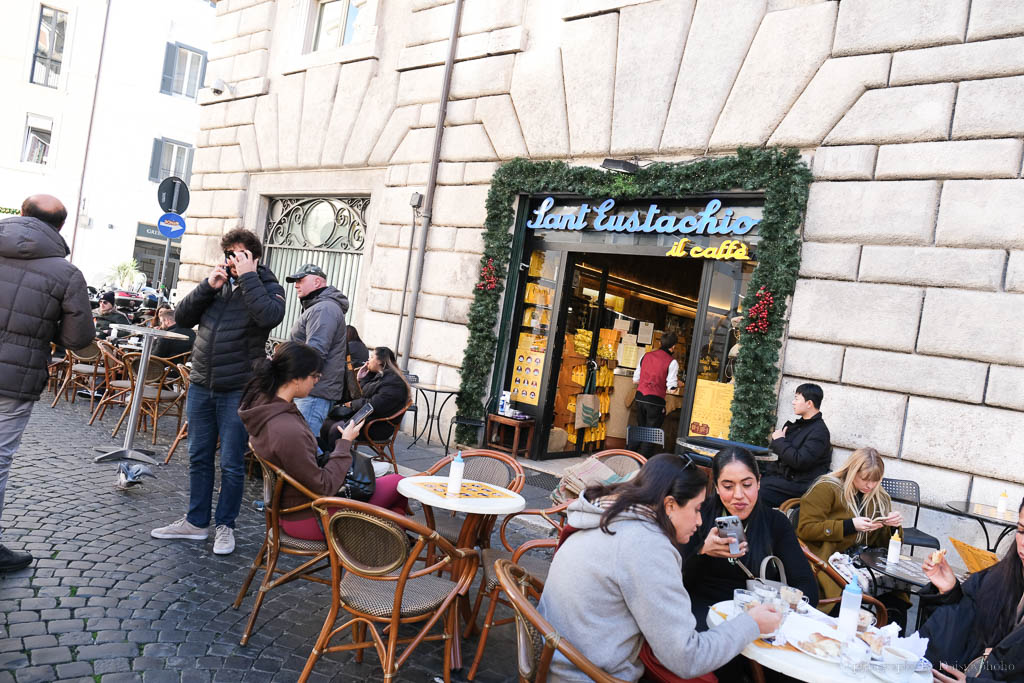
point(982, 513)
point(791, 662)
point(432, 396)
point(128, 450)
point(478, 500)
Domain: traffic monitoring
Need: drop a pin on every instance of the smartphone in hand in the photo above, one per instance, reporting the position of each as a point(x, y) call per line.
point(731, 527)
point(360, 415)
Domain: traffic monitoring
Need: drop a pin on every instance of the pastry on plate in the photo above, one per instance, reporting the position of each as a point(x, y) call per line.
point(821, 645)
point(875, 640)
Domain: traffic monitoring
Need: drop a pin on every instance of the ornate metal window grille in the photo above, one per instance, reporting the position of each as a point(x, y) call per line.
point(327, 231)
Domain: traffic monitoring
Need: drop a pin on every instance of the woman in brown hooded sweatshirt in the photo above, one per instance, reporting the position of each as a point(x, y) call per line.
point(281, 436)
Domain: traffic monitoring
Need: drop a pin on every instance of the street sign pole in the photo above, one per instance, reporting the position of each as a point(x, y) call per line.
point(176, 191)
point(167, 249)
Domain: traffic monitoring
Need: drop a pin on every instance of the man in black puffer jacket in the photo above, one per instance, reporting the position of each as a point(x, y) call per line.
point(236, 307)
point(43, 299)
point(804, 448)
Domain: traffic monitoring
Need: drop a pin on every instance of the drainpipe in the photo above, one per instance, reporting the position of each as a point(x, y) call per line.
point(428, 201)
point(88, 134)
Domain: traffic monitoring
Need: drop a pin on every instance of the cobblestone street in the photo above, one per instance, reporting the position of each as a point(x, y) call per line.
point(105, 602)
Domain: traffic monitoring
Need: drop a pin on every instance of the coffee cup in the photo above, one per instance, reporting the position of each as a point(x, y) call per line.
point(792, 596)
point(899, 663)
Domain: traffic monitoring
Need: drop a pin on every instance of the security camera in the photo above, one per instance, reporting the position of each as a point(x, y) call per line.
point(219, 86)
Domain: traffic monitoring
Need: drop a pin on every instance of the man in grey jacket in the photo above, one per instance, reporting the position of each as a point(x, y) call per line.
point(43, 299)
point(322, 326)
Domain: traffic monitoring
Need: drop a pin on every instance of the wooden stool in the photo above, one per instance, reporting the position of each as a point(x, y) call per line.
point(494, 434)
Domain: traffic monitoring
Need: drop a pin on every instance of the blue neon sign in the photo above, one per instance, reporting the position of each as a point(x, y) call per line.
point(600, 217)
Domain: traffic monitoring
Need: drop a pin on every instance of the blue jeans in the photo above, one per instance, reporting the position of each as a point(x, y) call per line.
point(14, 416)
point(213, 414)
point(315, 410)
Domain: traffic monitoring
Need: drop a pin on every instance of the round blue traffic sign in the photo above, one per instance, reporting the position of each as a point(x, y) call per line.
point(171, 226)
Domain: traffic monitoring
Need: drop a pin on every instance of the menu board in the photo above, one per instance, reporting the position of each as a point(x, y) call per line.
point(526, 376)
point(712, 409)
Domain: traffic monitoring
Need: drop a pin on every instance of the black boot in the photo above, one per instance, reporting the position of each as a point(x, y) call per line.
point(12, 560)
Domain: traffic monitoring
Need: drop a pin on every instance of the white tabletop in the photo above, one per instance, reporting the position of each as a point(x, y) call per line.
point(148, 331)
point(505, 502)
point(800, 666)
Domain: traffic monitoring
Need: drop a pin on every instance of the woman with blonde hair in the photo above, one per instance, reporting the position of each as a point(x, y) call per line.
point(849, 508)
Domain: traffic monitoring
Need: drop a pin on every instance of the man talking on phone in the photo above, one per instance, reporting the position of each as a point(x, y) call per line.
point(236, 307)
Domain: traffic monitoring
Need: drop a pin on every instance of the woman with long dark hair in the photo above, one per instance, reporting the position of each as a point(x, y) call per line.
point(616, 580)
point(383, 386)
point(711, 572)
point(976, 631)
point(357, 351)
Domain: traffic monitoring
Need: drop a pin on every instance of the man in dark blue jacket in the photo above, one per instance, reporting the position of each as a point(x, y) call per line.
point(236, 307)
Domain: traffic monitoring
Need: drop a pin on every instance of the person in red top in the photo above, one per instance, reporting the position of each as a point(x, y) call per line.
point(655, 375)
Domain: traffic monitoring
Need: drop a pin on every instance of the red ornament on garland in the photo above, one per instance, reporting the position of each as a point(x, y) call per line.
point(758, 315)
point(488, 277)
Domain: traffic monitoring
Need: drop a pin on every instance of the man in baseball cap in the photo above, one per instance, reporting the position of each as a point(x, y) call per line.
point(322, 326)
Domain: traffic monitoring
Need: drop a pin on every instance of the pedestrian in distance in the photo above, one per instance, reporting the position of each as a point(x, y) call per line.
point(107, 315)
point(43, 299)
point(322, 326)
point(804, 448)
point(235, 307)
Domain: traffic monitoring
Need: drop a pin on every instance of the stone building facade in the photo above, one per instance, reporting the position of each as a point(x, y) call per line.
point(908, 308)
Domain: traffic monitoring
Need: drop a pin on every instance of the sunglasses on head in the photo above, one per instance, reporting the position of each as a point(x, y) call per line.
point(689, 461)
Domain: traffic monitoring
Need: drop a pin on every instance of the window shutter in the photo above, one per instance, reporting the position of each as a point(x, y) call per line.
point(154, 160)
point(167, 82)
point(202, 72)
point(188, 165)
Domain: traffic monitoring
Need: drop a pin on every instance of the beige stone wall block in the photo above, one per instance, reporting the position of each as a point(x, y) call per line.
point(439, 342)
point(450, 173)
point(289, 110)
point(228, 203)
point(393, 207)
point(374, 112)
point(650, 41)
point(441, 238)
point(853, 162)
point(386, 235)
point(231, 159)
point(481, 77)
point(206, 160)
point(502, 125)
point(813, 360)
point(978, 325)
point(991, 18)
point(379, 300)
point(265, 126)
point(460, 112)
point(538, 94)
point(502, 41)
point(398, 127)
point(430, 306)
point(456, 310)
point(208, 226)
point(257, 18)
point(914, 113)
point(197, 248)
point(203, 138)
point(478, 16)
point(250, 148)
point(240, 112)
point(479, 172)
point(882, 212)
point(966, 217)
point(353, 83)
point(957, 159)
point(450, 273)
point(1015, 272)
point(418, 173)
point(225, 181)
point(854, 312)
point(574, 9)
point(379, 328)
point(829, 261)
point(979, 439)
point(222, 136)
point(466, 143)
point(250, 65)
point(470, 239)
point(959, 62)
point(461, 207)
point(938, 486)
point(886, 25)
point(229, 48)
point(200, 205)
point(708, 70)
point(416, 146)
point(219, 68)
point(959, 380)
point(855, 417)
point(388, 270)
point(225, 27)
point(396, 175)
point(990, 108)
point(260, 40)
point(1005, 387)
point(318, 99)
point(830, 94)
point(774, 78)
point(937, 267)
point(588, 58)
point(212, 116)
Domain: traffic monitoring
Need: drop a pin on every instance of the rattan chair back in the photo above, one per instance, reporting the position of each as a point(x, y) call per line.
point(623, 462)
point(490, 467)
point(368, 544)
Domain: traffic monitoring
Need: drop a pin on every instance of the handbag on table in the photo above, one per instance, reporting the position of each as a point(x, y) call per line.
point(754, 582)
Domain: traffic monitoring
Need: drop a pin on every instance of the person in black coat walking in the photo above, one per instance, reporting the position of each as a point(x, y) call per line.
point(383, 386)
point(804, 447)
point(236, 307)
point(982, 616)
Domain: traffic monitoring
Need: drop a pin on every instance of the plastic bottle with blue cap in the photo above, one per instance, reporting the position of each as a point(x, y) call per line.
point(849, 608)
point(455, 472)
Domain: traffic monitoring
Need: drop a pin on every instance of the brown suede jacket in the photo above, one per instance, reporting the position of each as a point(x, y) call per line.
point(280, 435)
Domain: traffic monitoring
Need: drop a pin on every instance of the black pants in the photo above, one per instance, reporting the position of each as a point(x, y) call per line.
point(776, 490)
point(650, 412)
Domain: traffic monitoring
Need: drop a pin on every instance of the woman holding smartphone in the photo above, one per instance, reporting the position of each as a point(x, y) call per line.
point(847, 508)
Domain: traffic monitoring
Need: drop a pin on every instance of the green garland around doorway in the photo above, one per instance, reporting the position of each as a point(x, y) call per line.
point(780, 174)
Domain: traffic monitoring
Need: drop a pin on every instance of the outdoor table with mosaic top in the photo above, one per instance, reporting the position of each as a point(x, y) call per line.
point(986, 513)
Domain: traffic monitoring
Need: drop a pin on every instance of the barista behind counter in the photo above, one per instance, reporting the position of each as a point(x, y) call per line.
point(656, 374)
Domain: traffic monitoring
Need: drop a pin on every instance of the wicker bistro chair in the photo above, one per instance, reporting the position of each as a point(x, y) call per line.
point(537, 566)
point(115, 388)
point(536, 639)
point(56, 369)
point(820, 566)
point(379, 586)
point(619, 460)
point(84, 370)
point(641, 435)
point(159, 396)
point(491, 467)
point(276, 542)
point(384, 449)
point(184, 376)
point(908, 491)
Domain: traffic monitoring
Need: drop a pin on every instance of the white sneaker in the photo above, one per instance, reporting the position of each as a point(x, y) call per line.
point(224, 541)
point(181, 529)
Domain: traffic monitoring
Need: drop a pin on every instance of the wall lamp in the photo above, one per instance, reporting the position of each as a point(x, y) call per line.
point(620, 166)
